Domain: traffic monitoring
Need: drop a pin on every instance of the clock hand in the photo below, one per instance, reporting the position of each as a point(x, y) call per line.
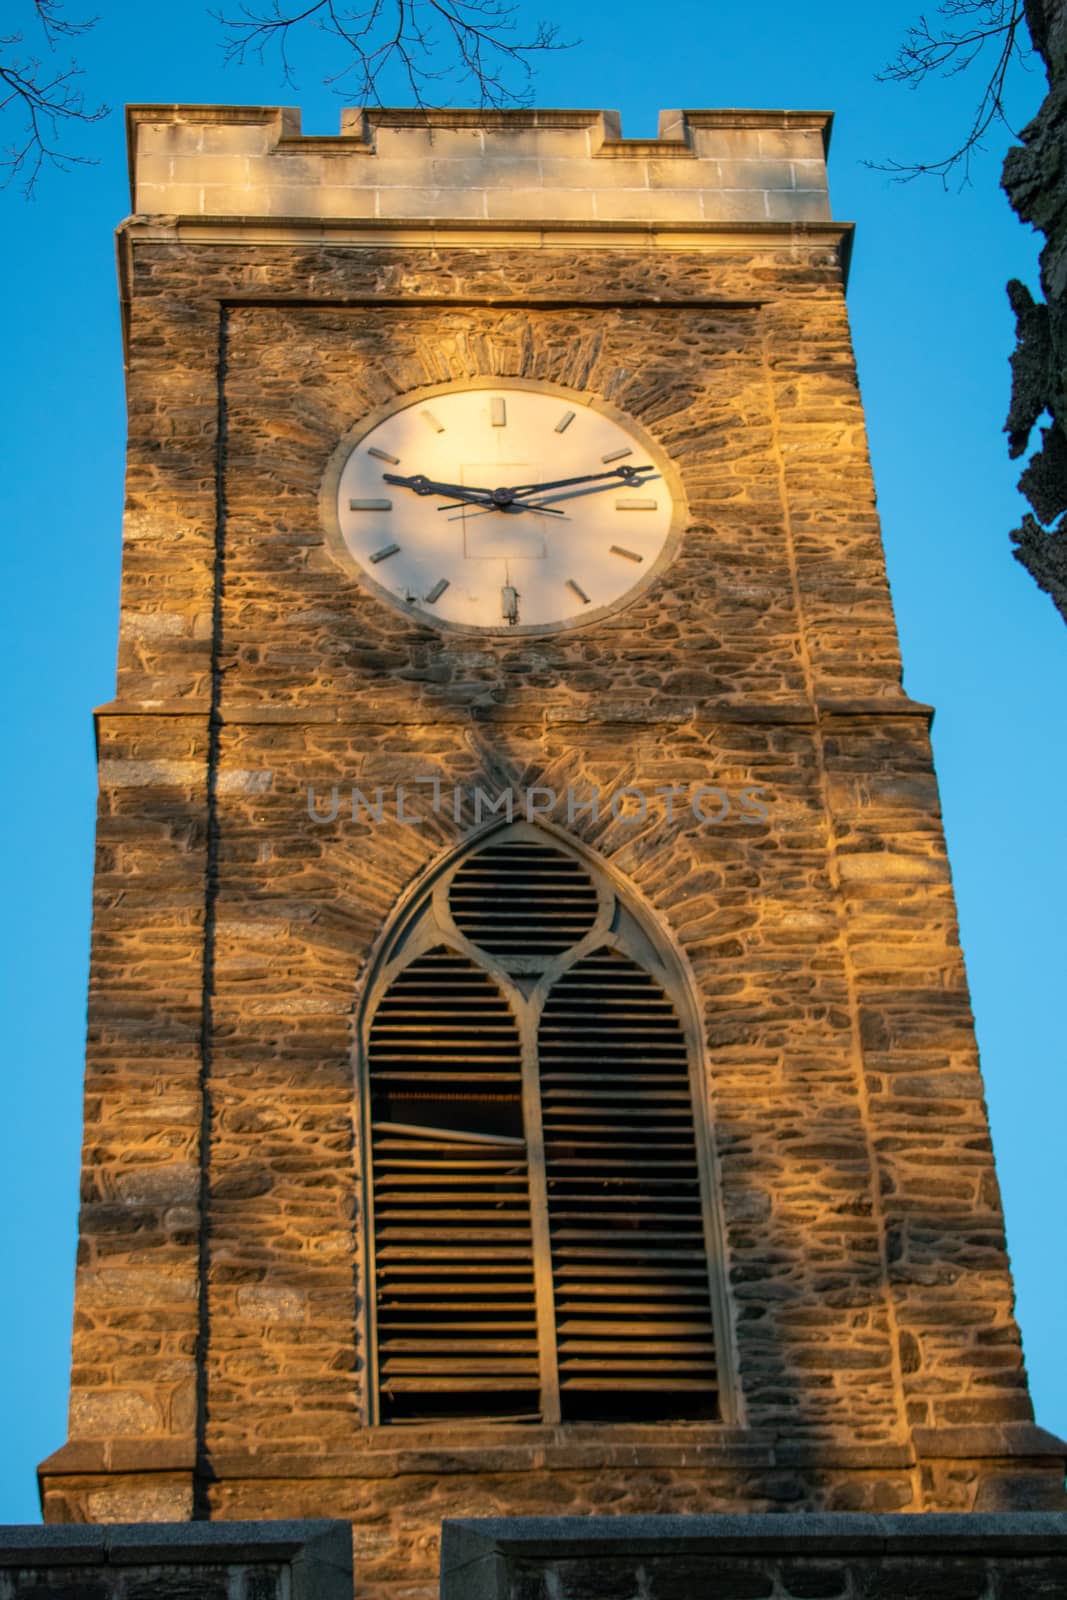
point(573, 494)
point(423, 485)
point(486, 509)
point(597, 486)
point(627, 474)
point(468, 495)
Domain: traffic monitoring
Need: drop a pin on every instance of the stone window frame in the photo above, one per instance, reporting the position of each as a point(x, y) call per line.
point(421, 921)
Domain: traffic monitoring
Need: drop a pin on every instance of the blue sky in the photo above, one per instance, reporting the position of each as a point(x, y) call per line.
point(932, 331)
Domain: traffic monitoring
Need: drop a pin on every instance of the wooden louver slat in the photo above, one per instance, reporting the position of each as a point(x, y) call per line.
point(456, 1324)
point(632, 1300)
point(522, 899)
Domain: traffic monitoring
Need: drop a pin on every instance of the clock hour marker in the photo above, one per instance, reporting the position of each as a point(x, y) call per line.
point(437, 591)
point(633, 503)
point(616, 455)
point(432, 422)
point(498, 412)
point(628, 555)
point(578, 590)
point(509, 603)
point(385, 552)
point(383, 455)
point(370, 505)
point(564, 422)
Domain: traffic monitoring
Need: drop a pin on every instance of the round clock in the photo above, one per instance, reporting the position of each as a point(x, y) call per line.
point(504, 509)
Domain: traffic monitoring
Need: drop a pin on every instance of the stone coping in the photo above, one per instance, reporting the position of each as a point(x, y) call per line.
point(739, 1556)
point(796, 1533)
point(360, 123)
point(318, 1552)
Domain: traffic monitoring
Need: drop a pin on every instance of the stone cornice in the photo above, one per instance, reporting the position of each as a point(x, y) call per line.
point(346, 715)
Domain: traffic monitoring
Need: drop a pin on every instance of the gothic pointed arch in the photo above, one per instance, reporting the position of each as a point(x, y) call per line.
point(542, 1231)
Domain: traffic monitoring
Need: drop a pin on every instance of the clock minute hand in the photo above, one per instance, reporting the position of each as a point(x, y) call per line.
point(627, 474)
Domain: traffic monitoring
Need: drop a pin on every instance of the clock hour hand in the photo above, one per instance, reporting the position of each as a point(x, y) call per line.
point(423, 485)
point(463, 494)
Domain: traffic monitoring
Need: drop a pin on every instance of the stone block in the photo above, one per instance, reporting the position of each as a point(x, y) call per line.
point(428, 202)
point(621, 172)
point(726, 144)
point(754, 174)
point(167, 1184)
point(241, 139)
point(169, 197)
point(682, 174)
point(235, 780)
point(230, 172)
point(420, 145)
point(547, 204)
point(544, 143)
point(150, 774)
point(112, 1414)
point(151, 1497)
point(658, 205)
point(261, 1303)
point(484, 172)
point(885, 866)
point(809, 175)
point(792, 144)
point(799, 205)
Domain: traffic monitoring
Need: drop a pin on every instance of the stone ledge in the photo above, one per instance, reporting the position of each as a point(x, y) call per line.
point(1005, 1440)
point(120, 1455)
point(707, 713)
point(428, 1452)
point(614, 234)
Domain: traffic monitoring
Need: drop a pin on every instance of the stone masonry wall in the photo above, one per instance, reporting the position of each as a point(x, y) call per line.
point(230, 1561)
point(757, 1558)
point(219, 1357)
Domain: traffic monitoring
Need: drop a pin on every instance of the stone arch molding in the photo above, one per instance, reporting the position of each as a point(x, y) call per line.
point(542, 1224)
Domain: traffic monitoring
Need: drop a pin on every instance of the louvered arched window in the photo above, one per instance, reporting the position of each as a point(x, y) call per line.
point(541, 1223)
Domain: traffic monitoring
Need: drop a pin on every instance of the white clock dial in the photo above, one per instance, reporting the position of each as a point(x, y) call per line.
point(504, 509)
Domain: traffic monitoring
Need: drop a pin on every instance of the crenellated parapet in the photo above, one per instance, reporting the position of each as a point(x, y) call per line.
point(480, 166)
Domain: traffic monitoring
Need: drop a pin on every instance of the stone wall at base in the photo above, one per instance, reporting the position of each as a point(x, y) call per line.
point(1020, 1557)
point(173, 1561)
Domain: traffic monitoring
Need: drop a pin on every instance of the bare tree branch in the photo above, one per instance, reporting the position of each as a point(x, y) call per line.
point(471, 44)
point(44, 97)
point(964, 32)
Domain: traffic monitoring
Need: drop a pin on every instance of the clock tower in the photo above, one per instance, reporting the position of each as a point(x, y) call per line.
point(530, 1062)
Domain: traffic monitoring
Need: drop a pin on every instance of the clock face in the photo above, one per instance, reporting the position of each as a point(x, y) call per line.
point(503, 509)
